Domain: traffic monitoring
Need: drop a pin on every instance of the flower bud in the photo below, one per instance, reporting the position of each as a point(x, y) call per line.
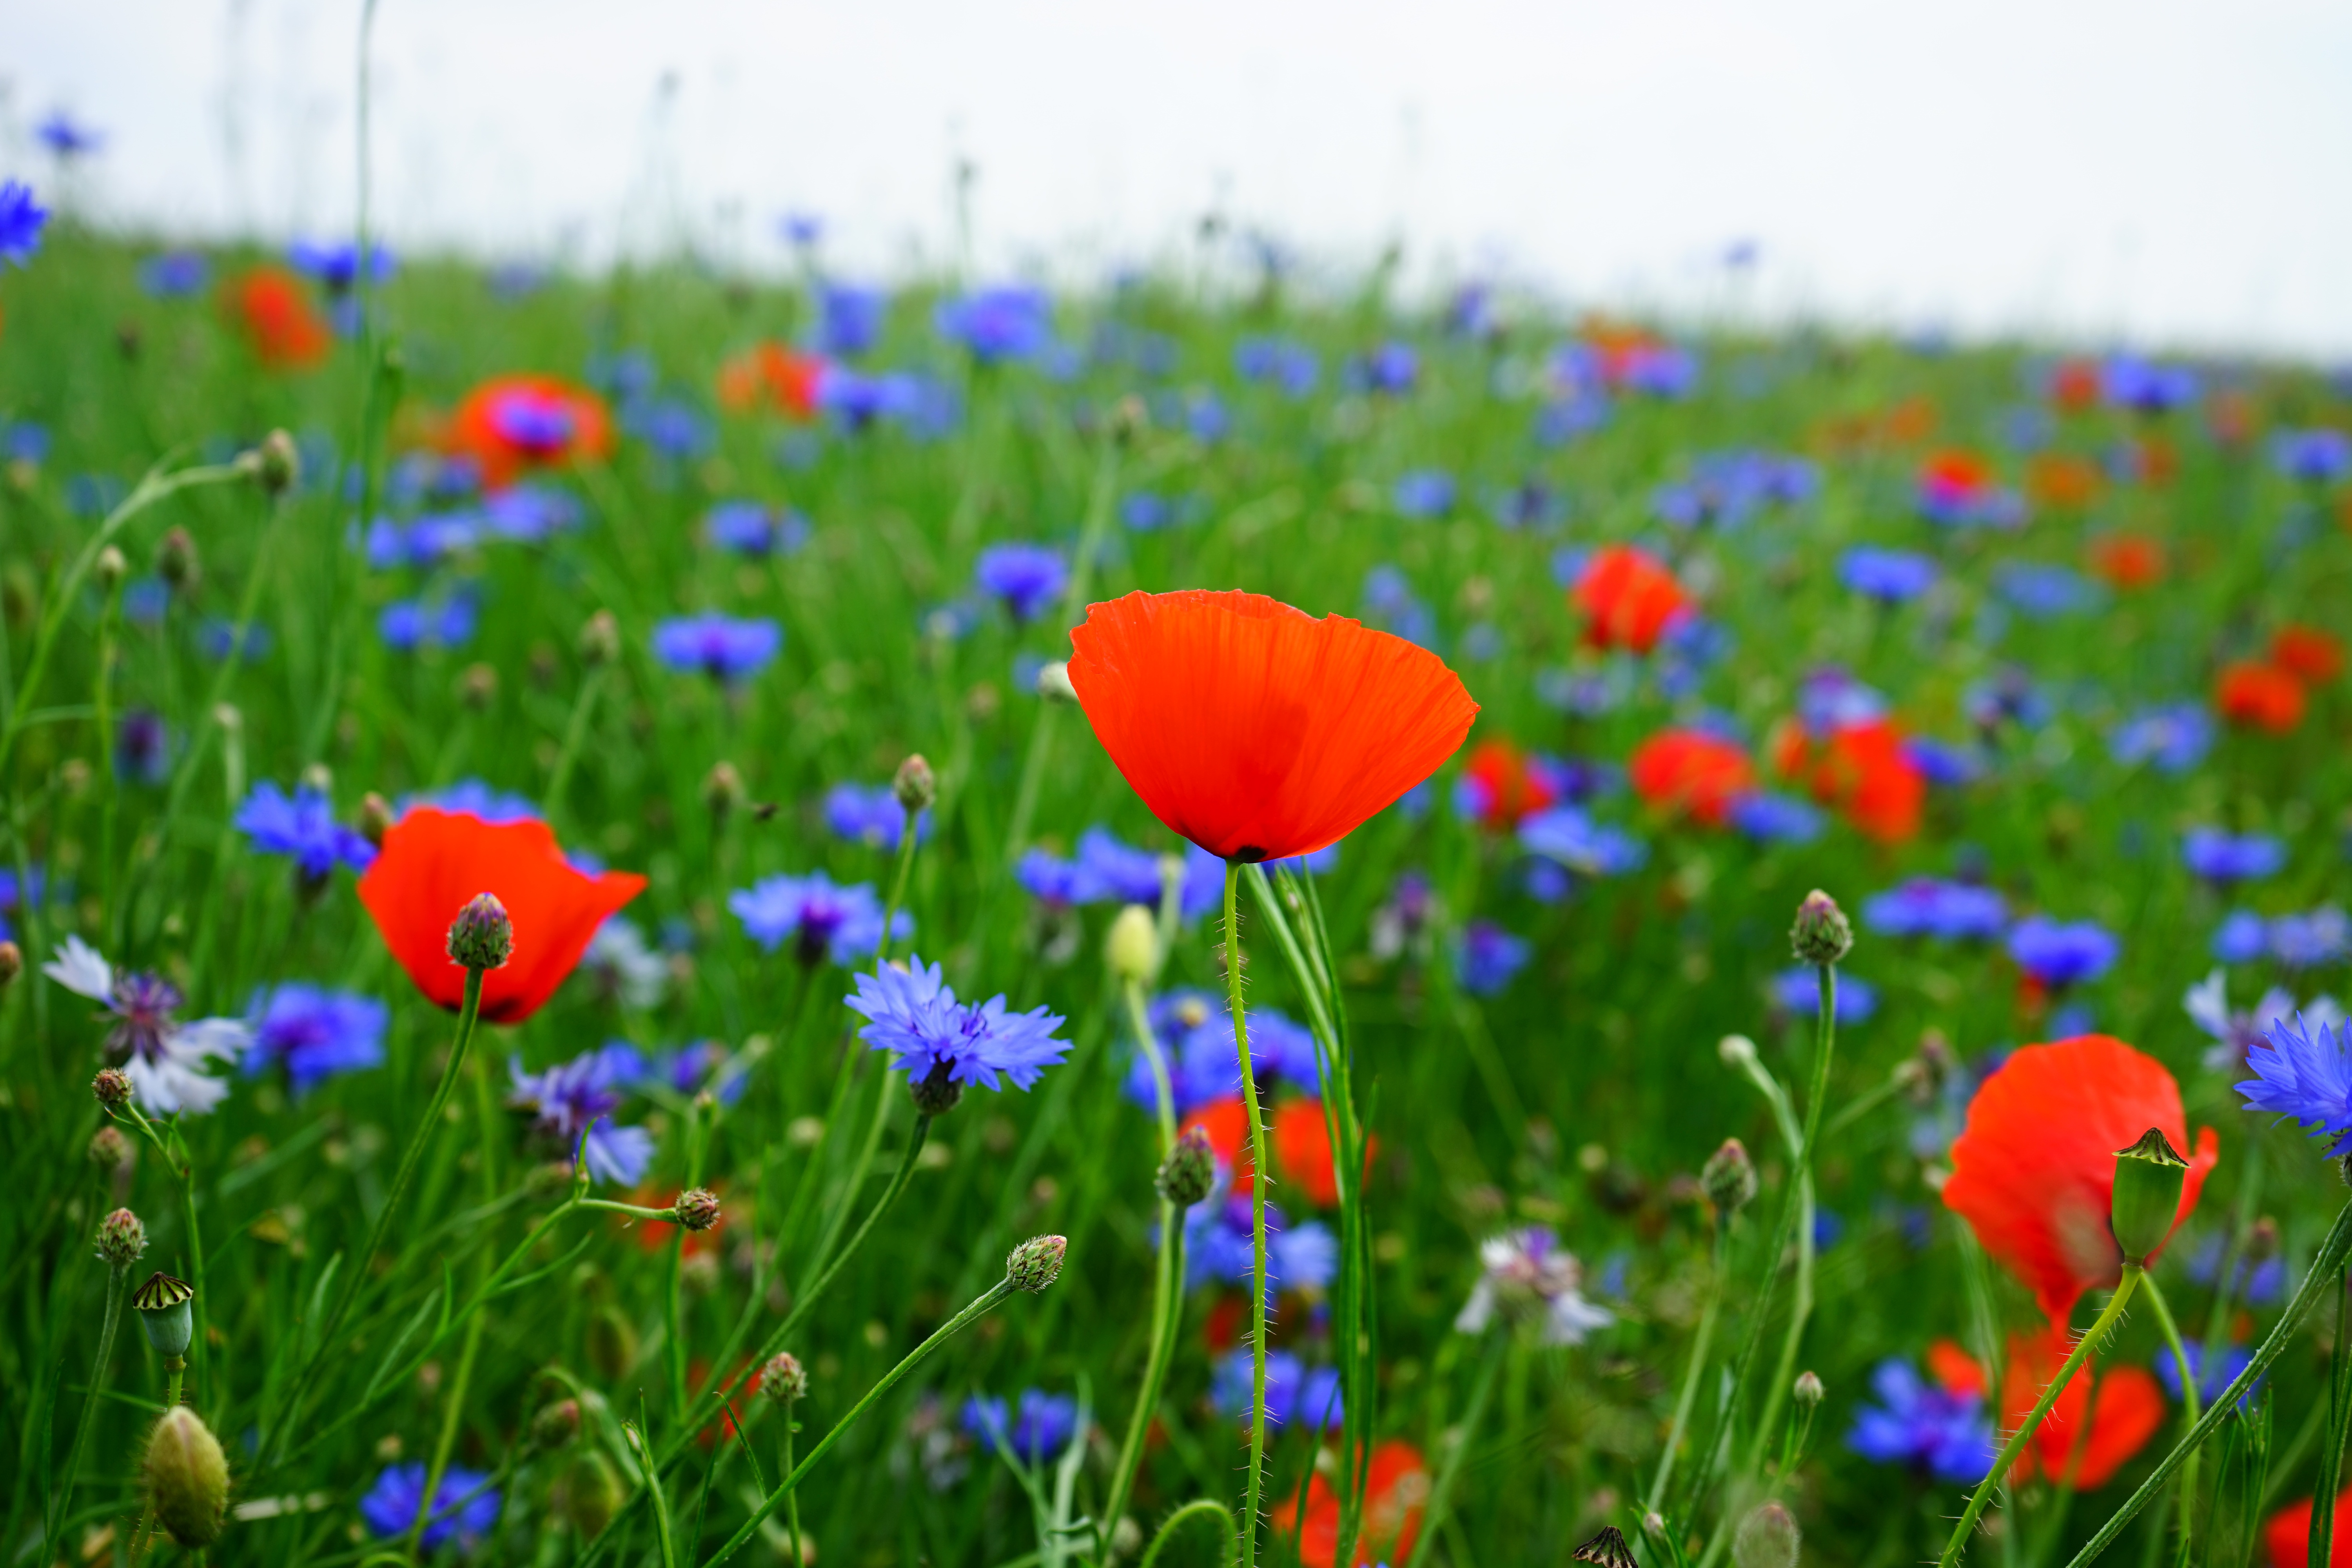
point(1822, 935)
point(1037, 1263)
point(113, 1087)
point(1729, 1178)
point(722, 789)
point(1767, 1537)
point(2263, 1240)
point(913, 787)
point(1054, 683)
point(556, 1425)
point(277, 463)
point(1606, 1550)
point(176, 560)
point(167, 1313)
point(600, 639)
point(109, 1149)
point(784, 1378)
point(935, 1093)
point(111, 569)
point(1132, 949)
point(477, 688)
point(187, 1478)
point(1128, 419)
point(2148, 1176)
point(591, 1495)
point(482, 936)
point(697, 1209)
point(1190, 1169)
point(12, 964)
point(121, 1238)
point(1808, 1391)
point(1737, 1051)
point(375, 817)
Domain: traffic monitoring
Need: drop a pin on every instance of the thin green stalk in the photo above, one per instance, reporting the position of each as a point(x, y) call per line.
point(792, 1502)
point(2331, 1446)
point(2108, 1316)
point(1199, 1507)
point(2191, 1406)
point(908, 841)
point(102, 709)
point(1691, 1375)
point(575, 733)
point(644, 1456)
point(1499, 1346)
point(1261, 1177)
point(55, 1519)
point(452, 1418)
point(1167, 1279)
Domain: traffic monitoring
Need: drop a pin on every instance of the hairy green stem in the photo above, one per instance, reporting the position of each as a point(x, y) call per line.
point(2191, 1406)
point(1167, 1280)
point(1260, 1178)
point(1199, 1507)
point(2331, 1446)
point(55, 1520)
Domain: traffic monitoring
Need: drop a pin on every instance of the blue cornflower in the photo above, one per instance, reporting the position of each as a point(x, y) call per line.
point(21, 218)
point(528, 514)
point(580, 1095)
point(2210, 1380)
point(1010, 321)
point(407, 624)
point(2062, 953)
point(1777, 818)
point(1277, 361)
point(1800, 991)
point(427, 543)
point(142, 747)
point(2314, 457)
point(803, 230)
point(1391, 604)
point(1890, 576)
point(301, 824)
point(464, 1505)
point(871, 814)
point(175, 275)
point(1195, 1031)
point(2145, 387)
point(1113, 871)
point(474, 798)
point(859, 400)
point(849, 318)
point(751, 528)
point(219, 638)
point(2009, 697)
point(721, 646)
point(337, 264)
point(689, 1069)
point(2175, 738)
point(60, 133)
point(1488, 958)
point(823, 919)
point(1302, 1258)
point(939, 1041)
point(1047, 1425)
point(1424, 492)
point(1927, 906)
point(674, 429)
point(317, 1033)
point(2043, 591)
point(2307, 940)
point(2304, 1074)
point(1531, 503)
point(1292, 1390)
point(2242, 937)
point(1947, 1434)
point(2223, 858)
point(1566, 835)
point(2234, 1034)
point(1392, 369)
point(1025, 578)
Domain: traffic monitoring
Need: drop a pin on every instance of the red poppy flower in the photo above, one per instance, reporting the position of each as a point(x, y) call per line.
point(2261, 696)
point(2127, 561)
point(2124, 1405)
point(2286, 1538)
point(1860, 769)
point(1691, 772)
point(1955, 477)
point(1225, 1123)
point(770, 375)
point(2307, 652)
point(2034, 1171)
point(1255, 730)
point(433, 861)
point(2063, 482)
point(274, 311)
point(513, 423)
point(1302, 1151)
point(1504, 788)
point(1629, 599)
point(2075, 385)
point(1396, 1485)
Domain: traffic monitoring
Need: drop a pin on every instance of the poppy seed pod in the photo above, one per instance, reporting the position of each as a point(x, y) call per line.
point(2148, 1177)
point(913, 786)
point(1037, 1263)
point(482, 937)
point(187, 1478)
point(1822, 935)
point(1190, 1169)
point(784, 1380)
point(1606, 1550)
point(121, 1238)
point(1729, 1178)
point(591, 1495)
point(1132, 949)
point(167, 1313)
point(697, 1209)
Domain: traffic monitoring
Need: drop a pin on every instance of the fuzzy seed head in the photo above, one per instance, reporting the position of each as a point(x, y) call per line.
point(1822, 935)
point(482, 936)
point(1037, 1263)
point(187, 1478)
point(121, 1238)
point(784, 1378)
point(697, 1209)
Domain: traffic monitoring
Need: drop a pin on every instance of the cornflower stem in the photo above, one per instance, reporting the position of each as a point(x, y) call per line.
point(468, 1018)
point(102, 713)
point(2331, 1445)
point(174, 1152)
point(644, 1456)
point(1199, 1507)
point(1692, 1374)
point(2108, 1316)
point(1259, 1177)
point(1167, 1280)
point(793, 1501)
point(55, 1521)
point(2192, 1406)
point(979, 1307)
point(907, 844)
point(575, 734)
point(1499, 1346)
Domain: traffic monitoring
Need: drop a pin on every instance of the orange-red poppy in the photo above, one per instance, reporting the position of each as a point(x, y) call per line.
point(769, 375)
point(1504, 788)
point(1225, 1123)
point(2252, 694)
point(513, 423)
point(1628, 599)
point(2034, 1171)
point(2063, 482)
point(1955, 474)
point(1255, 730)
point(1302, 1151)
point(273, 311)
point(2124, 1405)
point(2286, 1538)
point(1691, 773)
point(2307, 652)
point(433, 861)
point(1860, 769)
point(1396, 1485)
point(2074, 384)
point(2127, 561)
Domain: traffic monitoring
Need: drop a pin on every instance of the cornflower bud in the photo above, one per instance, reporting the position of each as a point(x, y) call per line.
point(1729, 1178)
point(113, 1087)
point(697, 1209)
point(1737, 1051)
point(591, 1494)
point(913, 786)
point(1767, 1537)
point(187, 1477)
point(1132, 949)
point(1190, 1169)
point(277, 463)
point(556, 1425)
point(176, 560)
point(1808, 1391)
point(1054, 683)
point(482, 936)
point(2148, 1177)
point(478, 687)
point(375, 817)
point(784, 1380)
point(167, 1313)
point(111, 569)
point(1822, 935)
point(12, 964)
point(600, 639)
point(722, 789)
point(1606, 1549)
point(109, 1149)
point(121, 1238)
point(1037, 1263)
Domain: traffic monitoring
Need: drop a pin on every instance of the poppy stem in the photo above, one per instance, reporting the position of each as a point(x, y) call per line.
point(2108, 1316)
point(1259, 1178)
point(1499, 1346)
point(1691, 1375)
point(2331, 1446)
point(2191, 1407)
point(115, 1276)
point(1167, 1310)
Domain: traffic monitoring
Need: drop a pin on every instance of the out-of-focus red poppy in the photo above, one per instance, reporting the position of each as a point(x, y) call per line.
point(514, 424)
point(2256, 695)
point(1955, 477)
point(2034, 1171)
point(2074, 384)
point(2286, 1538)
point(273, 311)
point(2231, 418)
point(2125, 1406)
point(1255, 730)
point(2149, 461)
point(1628, 599)
point(2308, 653)
point(433, 861)
point(1396, 1485)
point(1504, 787)
point(769, 375)
point(1302, 1151)
point(2063, 482)
point(2127, 561)
point(1225, 1123)
point(1691, 773)
point(1862, 771)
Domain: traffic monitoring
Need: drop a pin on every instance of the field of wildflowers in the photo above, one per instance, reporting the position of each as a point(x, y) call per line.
point(654, 919)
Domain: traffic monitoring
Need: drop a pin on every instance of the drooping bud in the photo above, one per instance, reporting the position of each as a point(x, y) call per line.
point(697, 1209)
point(187, 1478)
point(1737, 1051)
point(722, 789)
point(176, 560)
point(1606, 1550)
point(913, 786)
point(1190, 1169)
point(113, 1087)
point(1822, 935)
point(935, 1093)
point(482, 936)
point(167, 1313)
point(1037, 1263)
point(1729, 1178)
point(109, 1149)
point(2148, 1177)
point(784, 1380)
point(1808, 1391)
point(121, 1238)
point(12, 964)
point(1132, 949)
point(1054, 683)
point(111, 569)
point(556, 1425)
point(375, 817)
point(600, 639)
point(1767, 1537)
point(277, 463)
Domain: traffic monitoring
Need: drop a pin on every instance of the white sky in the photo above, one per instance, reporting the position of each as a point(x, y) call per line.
point(2175, 174)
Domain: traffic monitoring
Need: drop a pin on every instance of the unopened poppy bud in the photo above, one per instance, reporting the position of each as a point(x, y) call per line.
point(1608, 1549)
point(722, 789)
point(167, 1313)
point(187, 1478)
point(111, 569)
point(375, 817)
point(1132, 949)
point(12, 964)
point(1767, 1537)
point(1808, 1391)
point(277, 463)
point(2148, 1176)
point(784, 1378)
point(1737, 1051)
point(600, 639)
point(697, 1209)
point(176, 560)
point(1822, 935)
point(555, 1425)
point(1190, 1169)
point(591, 1494)
point(113, 1087)
point(935, 1093)
point(913, 786)
point(121, 1238)
point(1729, 1178)
point(2263, 1240)
point(109, 1149)
point(1054, 683)
point(1037, 1263)
point(482, 936)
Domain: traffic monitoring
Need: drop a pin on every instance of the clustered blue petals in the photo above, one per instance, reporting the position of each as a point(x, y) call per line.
point(1947, 1435)
point(302, 825)
point(914, 1015)
point(2303, 1074)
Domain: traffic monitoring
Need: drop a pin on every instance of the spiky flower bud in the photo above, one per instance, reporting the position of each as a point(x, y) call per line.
point(697, 1209)
point(110, 570)
point(176, 560)
point(113, 1087)
point(556, 1425)
point(1767, 1537)
point(109, 1149)
point(1729, 1178)
point(375, 817)
point(1190, 1169)
point(1054, 683)
point(277, 463)
point(935, 1093)
point(2148, 1177)
point(1037, 1263)
point(482, 936)
point(600, 639)
point(784, 1380)
point(1822, 935)
point(722, 789)
point(187, 1478)
point(12, 964)
point(167, 1313)
point(121, 1238)
point(1132, 949)
point(1606, 1550)
point(913, 786)
point(1808, 1392)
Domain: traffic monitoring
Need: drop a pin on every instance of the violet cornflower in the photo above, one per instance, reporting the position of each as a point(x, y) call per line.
point(723, 648)
point(2302, 1073)
point(580, 1095)
point(465, 1505)
point(2060, 954)
point(2223, 859)
point(302, 825)
point(940, 1042)
point(319, 1034)
point(823, 919)
point(1526, 1276)
point(1044, 1428)
point(163, 1057)
point(1025, 578)
point(1947, 1435)
point(1929, 906)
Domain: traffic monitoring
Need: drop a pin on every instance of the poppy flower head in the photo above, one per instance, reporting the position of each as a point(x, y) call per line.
point(1253, 730)
point(517, 422)
point(2252, 694)
point(434, 862)
point(1628, 599)
point(2286, 1538)
point(1504, 788)
point(1691, 773)
point(770, 376)
point(1396, 1489)
point(2075, 385)
point(272, 309)
point(2034, 1172)
point(2123, 1405)
point(2063, 482)
point(1862, 768)
point(2127, 561)
point(1302, 1151)
point(2308, 653)
point(1955, 477)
